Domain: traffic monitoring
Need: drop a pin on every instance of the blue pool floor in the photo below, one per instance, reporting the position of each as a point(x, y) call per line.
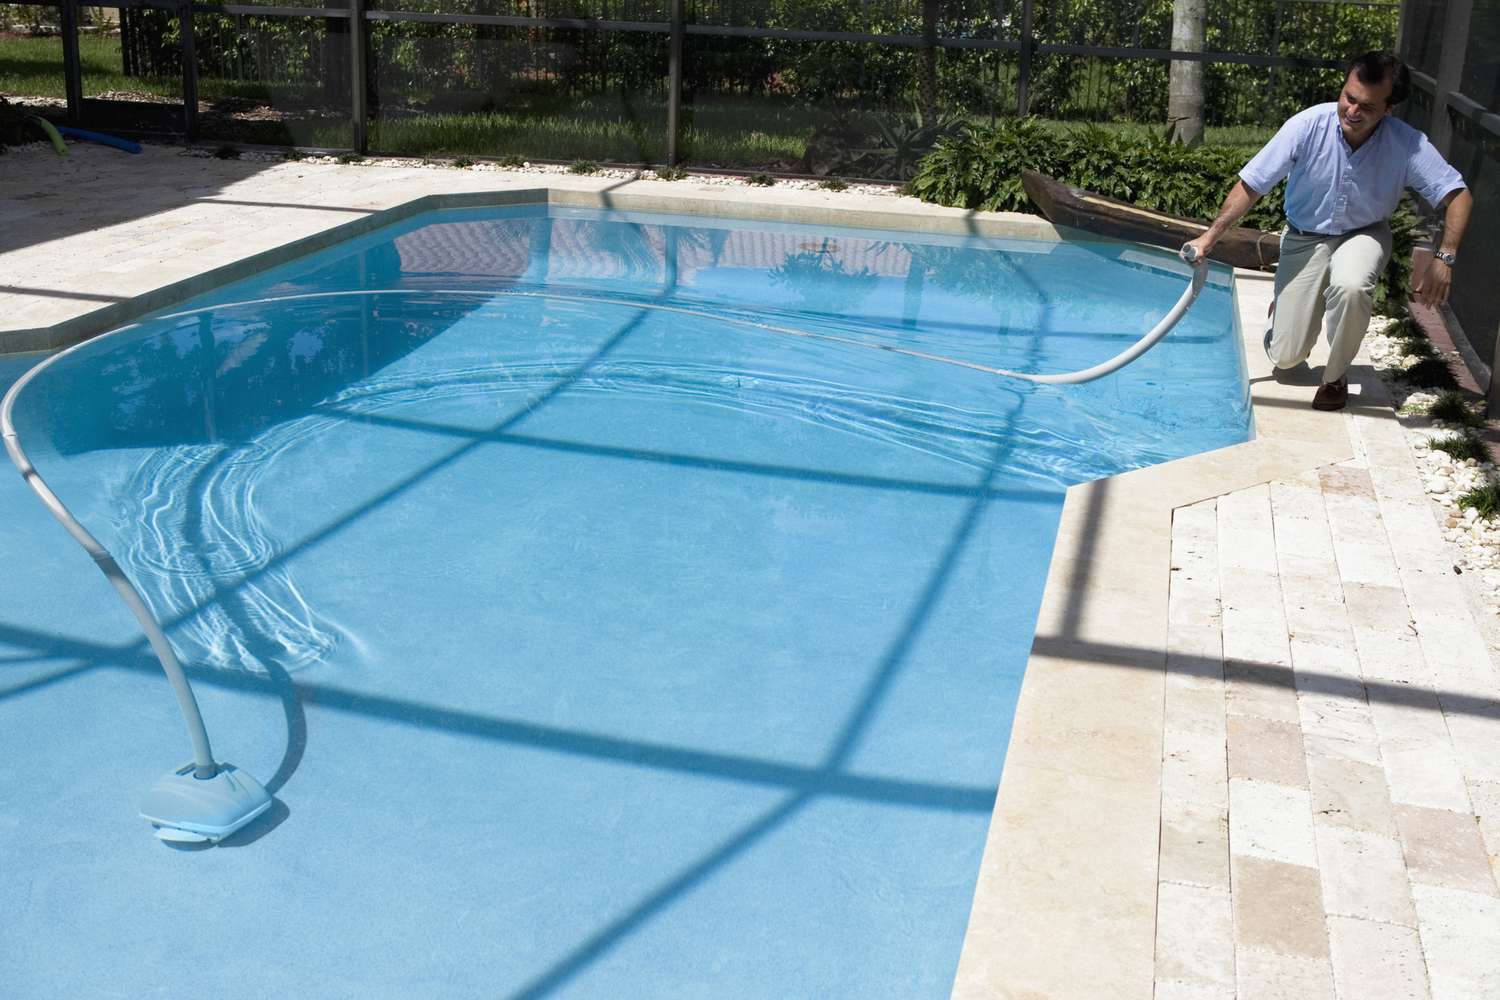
point(399, 871)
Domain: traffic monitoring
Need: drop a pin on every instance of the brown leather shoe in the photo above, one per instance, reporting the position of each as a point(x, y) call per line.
point(1332, 395)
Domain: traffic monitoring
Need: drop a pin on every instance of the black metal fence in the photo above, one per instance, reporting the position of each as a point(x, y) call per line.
point(761, 84)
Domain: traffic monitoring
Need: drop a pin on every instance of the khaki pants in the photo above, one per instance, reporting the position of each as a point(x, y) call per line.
point(1326, 277)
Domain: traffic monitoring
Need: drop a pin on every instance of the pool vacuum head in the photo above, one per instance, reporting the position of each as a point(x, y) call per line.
point(184, 809)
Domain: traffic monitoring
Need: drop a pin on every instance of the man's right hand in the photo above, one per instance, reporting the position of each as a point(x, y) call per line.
point(1202, 244)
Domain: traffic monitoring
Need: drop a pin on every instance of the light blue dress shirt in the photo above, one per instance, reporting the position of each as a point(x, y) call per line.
point(1332, 189)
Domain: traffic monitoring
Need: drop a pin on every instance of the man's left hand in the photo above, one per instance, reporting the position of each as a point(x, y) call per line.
point(1432, 290)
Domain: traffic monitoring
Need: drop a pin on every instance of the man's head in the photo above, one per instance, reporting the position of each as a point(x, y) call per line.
point(1375, 83)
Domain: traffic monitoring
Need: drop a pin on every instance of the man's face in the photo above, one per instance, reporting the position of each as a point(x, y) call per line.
point(1361, 106)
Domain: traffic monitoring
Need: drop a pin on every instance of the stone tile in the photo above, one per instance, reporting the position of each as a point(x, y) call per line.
point(1486, 798)
point(1350, 794)
point(1421, 773)
point(1271, 822)
point(1345, 749)
point(1440, 601)
point(1334, 706)
point(1372, 959)
point(1193, 704)
point(1315, 615)
point(1461, 940)
point(1268, 975)
point(1254, 622)
point(1194, 844)
point(1264, 750)
point(1330, 653)
point(1195, 630)
point(1257, 688)
point(1376, 605)
point(1365, 562)
point(1475, 734)
point(1391, 655)
point(1194, 936)
point(1248, 508)
point(1415, 750)
point(1461, 652)
point(1364, 875)
point(1194, 769)
point(1306, 539)
point(1278, 907)
point(1444, 848)
point(1346, 480)
point(1242, 549)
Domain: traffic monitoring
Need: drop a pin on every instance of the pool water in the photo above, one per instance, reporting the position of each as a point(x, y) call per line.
point(599, 631)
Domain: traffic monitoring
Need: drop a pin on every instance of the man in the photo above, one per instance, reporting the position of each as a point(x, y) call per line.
point(1347, 163)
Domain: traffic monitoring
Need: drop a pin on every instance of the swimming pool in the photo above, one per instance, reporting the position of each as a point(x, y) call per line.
point(637, 645)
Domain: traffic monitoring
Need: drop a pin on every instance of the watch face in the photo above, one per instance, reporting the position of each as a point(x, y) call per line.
point(1445, 257)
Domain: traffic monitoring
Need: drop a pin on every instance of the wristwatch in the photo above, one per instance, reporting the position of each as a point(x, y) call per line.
point(1447, 257)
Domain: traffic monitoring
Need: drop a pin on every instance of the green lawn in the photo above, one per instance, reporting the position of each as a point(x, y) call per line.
point(746, 133)
point(33, 67)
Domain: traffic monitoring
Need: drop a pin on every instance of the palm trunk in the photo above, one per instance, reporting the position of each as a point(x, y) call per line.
point(1185, 93)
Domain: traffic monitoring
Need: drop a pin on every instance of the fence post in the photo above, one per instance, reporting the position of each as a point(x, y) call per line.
point(189, 69)
point(358, 85)
point(1023, 102)
point(1450, 70)
point(72, 65)
point(674, 85)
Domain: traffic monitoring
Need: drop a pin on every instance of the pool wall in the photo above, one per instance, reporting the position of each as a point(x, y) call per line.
point(1067, 892)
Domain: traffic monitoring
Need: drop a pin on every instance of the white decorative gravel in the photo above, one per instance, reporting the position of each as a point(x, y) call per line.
point(613, 173)
point(1444, 478)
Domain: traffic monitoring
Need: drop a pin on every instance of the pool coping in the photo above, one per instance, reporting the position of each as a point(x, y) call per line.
point(1066, 898)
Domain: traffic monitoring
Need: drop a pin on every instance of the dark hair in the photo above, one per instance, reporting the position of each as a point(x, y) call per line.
point(1378, 67)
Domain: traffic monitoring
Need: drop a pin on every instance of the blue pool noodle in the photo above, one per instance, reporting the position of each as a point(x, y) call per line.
point(108, 140)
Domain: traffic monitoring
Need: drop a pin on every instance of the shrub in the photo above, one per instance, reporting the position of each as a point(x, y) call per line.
point(1485, 499)
point(669, 173)
point(1462, 447)
point(1407, 329)
point(1430, 373)
point(1454, 408)
point(350, 158)
point(1417, 347)
point(981, 169)
point(760, 180)
point(462, 162)
point(832, 184)
point(583, 167)
point(293, 155)
point(226, 152)
point(512, 160)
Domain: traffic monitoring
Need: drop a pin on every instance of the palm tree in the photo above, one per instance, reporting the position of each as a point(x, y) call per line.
point(1185, 89)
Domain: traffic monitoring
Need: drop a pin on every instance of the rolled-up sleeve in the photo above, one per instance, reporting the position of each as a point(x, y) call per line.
point(1429, 175)
point(1274, 161)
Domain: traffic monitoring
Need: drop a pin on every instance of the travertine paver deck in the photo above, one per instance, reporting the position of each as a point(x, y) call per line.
point(1332, 734)
point(1258, 752)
